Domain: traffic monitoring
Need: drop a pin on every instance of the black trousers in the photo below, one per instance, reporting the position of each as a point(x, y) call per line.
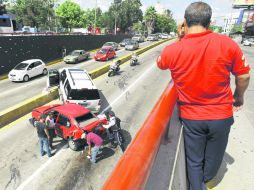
point(205, 143)
point(52, 134)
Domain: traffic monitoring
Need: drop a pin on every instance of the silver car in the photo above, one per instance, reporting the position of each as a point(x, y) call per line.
point(132, 45)
point(112, 44)
point(138, 38)
point(76, 56)
point(153, 37)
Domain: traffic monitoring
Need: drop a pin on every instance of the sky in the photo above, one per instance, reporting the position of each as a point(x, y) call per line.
point(221, 8)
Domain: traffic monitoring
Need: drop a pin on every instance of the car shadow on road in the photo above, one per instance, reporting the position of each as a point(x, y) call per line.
point(58, 144)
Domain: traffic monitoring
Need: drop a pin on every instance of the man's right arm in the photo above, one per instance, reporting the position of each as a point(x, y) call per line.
point(242, 83)
point(241, 71)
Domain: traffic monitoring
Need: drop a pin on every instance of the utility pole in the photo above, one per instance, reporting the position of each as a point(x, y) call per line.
point(95, 14)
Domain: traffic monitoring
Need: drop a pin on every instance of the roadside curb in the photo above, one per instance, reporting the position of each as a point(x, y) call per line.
point(17, 111)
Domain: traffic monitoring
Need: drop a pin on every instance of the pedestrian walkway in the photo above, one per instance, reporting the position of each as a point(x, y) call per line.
point(237, 169)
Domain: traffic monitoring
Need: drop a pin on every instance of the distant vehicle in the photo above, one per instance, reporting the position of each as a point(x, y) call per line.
point(153, 37)
point(6, 24)
point(28, 29)
point(27, 69)
point(76, 56)
point(165, 36)
point(139, 38)
point(123, 43)
point(112, 44)
point(247, 43)
point(159, 35)
point(75, 86)
point(80, 30)
point(105, 53)
point(132, 45)
point(71, 121)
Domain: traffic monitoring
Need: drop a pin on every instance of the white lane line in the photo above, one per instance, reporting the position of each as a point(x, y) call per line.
point(129, 87)
point(37, 172)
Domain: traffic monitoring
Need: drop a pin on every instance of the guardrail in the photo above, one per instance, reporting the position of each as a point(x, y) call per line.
point(134, 167)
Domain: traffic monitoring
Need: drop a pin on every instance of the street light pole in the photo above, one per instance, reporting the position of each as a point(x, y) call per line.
point(95, 12)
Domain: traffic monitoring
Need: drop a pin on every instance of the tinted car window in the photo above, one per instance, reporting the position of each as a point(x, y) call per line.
point(67, 88)
point(63, 120)
point(63, 76)
point(84, 94)
point(31, 66)
point(85, 119)
point(37, 63)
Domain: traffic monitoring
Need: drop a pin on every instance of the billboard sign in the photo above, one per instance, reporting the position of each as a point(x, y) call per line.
point(243, 3)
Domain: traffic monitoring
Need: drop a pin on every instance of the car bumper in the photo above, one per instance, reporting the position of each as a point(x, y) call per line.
point(69, 61)
point(15, 78)
point(100, 58)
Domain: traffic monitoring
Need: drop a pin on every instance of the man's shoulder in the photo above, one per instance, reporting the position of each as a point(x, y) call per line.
point(227, 40)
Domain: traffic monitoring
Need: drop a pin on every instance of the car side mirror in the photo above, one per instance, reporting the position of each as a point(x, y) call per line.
point(68, 124)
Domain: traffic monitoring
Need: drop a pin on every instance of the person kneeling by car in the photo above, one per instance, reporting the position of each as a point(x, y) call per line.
point(92, 138)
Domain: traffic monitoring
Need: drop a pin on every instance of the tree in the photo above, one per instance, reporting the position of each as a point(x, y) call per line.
point(36, 13)
point(150, 18)
point(70, 15)
point(164, 23)
point(237, 28)
point(124, 13)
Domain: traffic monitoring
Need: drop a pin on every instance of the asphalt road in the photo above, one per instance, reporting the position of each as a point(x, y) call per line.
point(13, 93)
point(131, 95)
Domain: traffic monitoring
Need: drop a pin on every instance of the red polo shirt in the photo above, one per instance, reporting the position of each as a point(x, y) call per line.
point(200, 66)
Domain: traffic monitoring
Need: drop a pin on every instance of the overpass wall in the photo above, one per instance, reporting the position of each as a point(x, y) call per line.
point(14, 49)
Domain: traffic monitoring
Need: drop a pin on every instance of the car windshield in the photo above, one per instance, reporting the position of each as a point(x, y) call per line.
point(86, 119)
point(126, 40)
point(21, 66)
point(108, 44)
point(75, 53)
point(84, 94)
point(102, 51)
point(131, 42)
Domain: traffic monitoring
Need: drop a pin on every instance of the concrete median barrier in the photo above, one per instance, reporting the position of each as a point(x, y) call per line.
point(15, 112)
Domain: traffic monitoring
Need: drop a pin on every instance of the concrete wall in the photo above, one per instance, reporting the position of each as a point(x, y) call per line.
point(14, 49)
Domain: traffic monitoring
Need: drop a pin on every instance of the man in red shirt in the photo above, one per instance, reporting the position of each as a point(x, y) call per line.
point(200, 65)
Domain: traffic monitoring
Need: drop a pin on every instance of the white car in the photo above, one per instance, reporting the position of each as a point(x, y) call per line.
point(75, 86)
point(247, 43)
point(27, 69)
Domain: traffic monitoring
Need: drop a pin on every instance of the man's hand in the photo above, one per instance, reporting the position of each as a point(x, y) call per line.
point(238, 103)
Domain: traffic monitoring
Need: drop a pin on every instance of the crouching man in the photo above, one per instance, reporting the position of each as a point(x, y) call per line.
point(96, 140)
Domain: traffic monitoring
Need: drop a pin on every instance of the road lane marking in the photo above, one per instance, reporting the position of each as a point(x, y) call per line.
point(38, 171)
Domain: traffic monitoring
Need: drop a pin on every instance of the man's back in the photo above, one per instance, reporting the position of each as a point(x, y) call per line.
point(200, 65)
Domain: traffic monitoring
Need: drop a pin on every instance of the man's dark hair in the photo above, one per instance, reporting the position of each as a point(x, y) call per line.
point(198, 13)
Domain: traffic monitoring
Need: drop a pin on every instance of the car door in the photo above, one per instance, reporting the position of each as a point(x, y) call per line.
point(31, 71)
point(38, 67)
point(63, 126)
point(53, 78)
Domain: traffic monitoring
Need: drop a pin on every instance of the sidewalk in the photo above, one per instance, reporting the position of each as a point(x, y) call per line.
point(237, 169)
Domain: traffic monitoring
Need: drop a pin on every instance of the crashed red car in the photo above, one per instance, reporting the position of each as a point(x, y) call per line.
point(71, 120)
